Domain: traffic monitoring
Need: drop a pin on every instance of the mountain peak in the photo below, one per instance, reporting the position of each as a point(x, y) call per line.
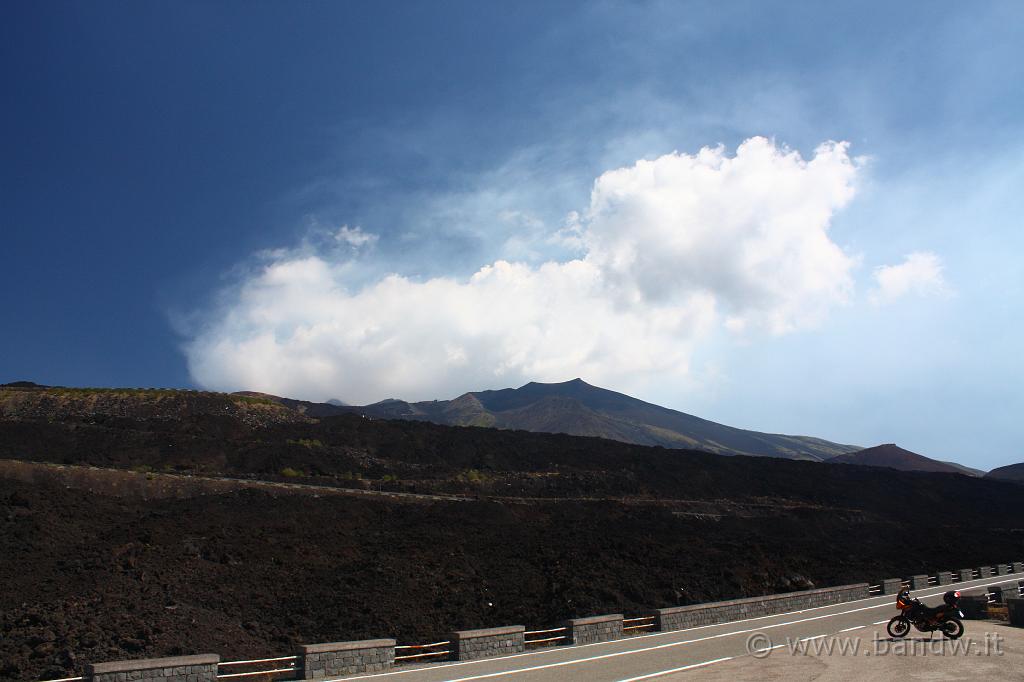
point(578, 408)
point(893, 456)
point(556, 384)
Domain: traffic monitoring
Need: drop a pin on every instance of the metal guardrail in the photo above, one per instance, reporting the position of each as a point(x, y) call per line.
point(258, 672)
point(641, 623)
point(543, 640)
point(258, 661)
point(425, 654)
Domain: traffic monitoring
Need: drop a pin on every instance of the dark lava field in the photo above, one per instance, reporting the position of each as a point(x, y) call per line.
point(551, 527)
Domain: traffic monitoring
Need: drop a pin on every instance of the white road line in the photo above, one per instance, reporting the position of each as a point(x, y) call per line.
point(727, 658)
point(678, 670)
point(654, 634)
point(578, 661)
point(880, 622)
point(614, 641)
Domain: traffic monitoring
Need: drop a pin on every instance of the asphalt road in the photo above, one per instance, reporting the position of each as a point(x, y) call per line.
point(726, 650)
point(989, 651)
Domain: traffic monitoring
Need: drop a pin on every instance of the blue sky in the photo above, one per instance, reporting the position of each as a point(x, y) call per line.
point(360, 200)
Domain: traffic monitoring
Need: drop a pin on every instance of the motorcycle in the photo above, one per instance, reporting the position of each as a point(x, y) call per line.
point(946, 618)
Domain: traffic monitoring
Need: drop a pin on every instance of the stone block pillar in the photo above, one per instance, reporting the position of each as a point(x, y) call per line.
point(919, 582)
point(594, 629)
point(966, 574)
point(892, 586)
point(1004, 592)
point(945, 577)
point(317, 661)
point(1018, 566)
point(985, 571)
point(1015, 608)
point(202, 668)
point(468, 645)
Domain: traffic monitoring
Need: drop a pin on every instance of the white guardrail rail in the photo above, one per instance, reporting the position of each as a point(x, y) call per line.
point(637, 624)
point(545, 640)
point(278, 667)
point(424, 654)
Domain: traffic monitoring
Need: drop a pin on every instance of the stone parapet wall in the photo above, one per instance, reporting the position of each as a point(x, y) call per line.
point(322, 661)
point(681, 617)
point(318, 661)
point(202, 668)
point(594, 629)
point(468, 645)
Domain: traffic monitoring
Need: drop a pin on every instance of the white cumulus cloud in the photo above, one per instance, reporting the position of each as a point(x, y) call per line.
point(751, 230)
point(668, 251)
point(920, 274)
point(354, 237)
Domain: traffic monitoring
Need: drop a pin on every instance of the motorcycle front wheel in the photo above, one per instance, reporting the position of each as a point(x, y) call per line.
point(899, 626)
point(953, 628)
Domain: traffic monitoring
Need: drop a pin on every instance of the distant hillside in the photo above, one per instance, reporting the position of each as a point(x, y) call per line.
point(305, 407)
point(24, 401)
point(1011, 472)
point(970, 471)
point(577, 408)
point(894, 457)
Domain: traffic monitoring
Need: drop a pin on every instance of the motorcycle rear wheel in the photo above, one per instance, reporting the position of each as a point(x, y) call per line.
point(898, 627)
point(953, 628)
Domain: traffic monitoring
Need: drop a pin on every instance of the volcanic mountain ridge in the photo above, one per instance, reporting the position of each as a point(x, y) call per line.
point(579, 409)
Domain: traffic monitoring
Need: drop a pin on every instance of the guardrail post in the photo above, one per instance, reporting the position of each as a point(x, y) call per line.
point(945, 577)
point(966, 574)
point(984, 572)
point(1018, 566)
point(892, 585)
point(594, 629)
point(1003, 569)
point(318, 661)
point(202, 668)
point(918, 582)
